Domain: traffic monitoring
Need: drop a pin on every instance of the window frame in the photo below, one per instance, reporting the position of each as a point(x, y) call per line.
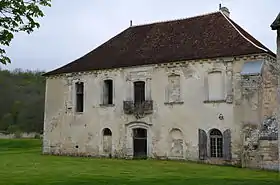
point(223, 86)
point(168, 89)
point(76, 93)
point(102, 93)
point(217, 145)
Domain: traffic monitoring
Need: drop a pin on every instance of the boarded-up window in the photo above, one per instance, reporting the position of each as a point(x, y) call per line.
point(174, 89)
point(215, 86)
point(107, 141)
point(108, 92)
point(79, 97)
point(176, 148)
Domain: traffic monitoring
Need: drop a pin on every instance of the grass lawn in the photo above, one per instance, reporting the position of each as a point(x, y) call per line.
point(21, 163)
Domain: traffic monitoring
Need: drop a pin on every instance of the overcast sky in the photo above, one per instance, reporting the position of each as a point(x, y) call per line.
point(71, 28)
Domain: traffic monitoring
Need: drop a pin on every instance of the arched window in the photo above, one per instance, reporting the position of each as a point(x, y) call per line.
point(107, 141)
point(176, 147)
point(216, 143)
point(107, 132)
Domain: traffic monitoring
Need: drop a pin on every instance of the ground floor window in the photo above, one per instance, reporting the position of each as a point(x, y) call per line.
point(216, 143)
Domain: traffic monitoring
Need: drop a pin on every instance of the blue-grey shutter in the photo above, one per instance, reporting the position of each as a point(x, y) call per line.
point(202, 144)
point(227, 145)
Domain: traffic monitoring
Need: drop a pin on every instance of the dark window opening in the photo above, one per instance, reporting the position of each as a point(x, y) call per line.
point(79, 97)
point(216, 143)
point(139, 92)
point(108, 92)
point(107, 132)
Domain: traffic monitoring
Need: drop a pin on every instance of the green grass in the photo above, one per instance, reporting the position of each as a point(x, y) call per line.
point(21, 163)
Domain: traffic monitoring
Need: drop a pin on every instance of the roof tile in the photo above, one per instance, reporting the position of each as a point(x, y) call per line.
point(200, 37)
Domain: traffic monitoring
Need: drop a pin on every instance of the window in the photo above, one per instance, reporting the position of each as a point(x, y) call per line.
point(216, 143)
point(173, 89)
point(108, 92)
point(107, 132)
point(215, 86)
point(107, 141)
point(139, 92)
point(79, 97)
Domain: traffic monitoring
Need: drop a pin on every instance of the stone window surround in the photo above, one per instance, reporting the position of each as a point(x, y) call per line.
point(72, 89)
point(222, 130)
point(101, 104)
point(172, 73)
point(184, 142)
point(102, 141)
point(134, 77)
point(206, 85)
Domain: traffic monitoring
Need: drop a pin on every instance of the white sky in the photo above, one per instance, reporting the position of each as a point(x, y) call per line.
point(71, 28)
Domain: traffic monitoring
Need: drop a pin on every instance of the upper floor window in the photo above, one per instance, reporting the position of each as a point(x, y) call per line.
point(108, 92)
point(79, 96)
point(174, 88)
point(139, 91)
point(215, 86)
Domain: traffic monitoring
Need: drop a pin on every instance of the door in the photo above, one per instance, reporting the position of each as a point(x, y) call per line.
point(139, 143)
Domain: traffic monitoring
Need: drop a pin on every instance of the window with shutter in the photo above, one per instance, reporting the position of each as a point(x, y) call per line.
point(202, 144)
point(227, 145)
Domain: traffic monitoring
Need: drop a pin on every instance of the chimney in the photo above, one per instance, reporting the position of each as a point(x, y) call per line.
point(130, 23)
point(224, 10)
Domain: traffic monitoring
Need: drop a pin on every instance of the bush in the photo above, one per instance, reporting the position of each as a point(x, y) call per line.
point(37, 136)
point(17, 134)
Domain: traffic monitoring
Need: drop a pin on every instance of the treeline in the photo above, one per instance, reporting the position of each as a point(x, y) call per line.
point(21, 101)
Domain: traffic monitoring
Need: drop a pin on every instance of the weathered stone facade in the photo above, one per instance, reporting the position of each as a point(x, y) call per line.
point(276, 26)
point(222, 110)
point(184, 105)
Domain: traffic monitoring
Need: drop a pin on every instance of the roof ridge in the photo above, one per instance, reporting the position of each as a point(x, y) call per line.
point(254, 44)
point(173, 20)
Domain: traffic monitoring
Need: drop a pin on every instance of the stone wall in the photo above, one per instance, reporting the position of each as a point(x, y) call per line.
point(69, 133)
point(23, 135)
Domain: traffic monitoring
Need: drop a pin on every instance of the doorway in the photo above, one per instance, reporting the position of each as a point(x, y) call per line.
point(140, 143)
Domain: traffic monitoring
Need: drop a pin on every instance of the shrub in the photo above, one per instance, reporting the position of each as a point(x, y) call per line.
point(17, 134)
point(37, 136)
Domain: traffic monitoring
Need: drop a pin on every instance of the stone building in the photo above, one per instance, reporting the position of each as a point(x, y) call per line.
point(181, 89)
point(276, 26)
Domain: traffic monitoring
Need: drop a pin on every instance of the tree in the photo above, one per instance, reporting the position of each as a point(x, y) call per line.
point(18, 16)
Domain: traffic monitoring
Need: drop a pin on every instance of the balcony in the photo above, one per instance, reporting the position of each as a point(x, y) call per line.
point(138, 109)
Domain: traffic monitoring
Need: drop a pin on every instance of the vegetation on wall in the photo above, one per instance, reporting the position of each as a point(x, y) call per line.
point(21, 101)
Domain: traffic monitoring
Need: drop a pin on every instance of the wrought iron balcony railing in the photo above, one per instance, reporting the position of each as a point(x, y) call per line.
point(138, 108)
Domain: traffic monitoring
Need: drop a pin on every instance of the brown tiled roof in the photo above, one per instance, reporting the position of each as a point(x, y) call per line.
point(201, 37)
